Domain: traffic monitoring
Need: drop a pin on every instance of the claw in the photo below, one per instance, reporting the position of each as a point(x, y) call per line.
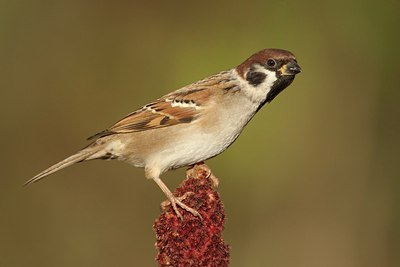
point(214, 179)
point(177, 201)
point(210, 175)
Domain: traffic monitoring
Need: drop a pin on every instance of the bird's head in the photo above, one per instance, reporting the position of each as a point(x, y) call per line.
point(268, 72)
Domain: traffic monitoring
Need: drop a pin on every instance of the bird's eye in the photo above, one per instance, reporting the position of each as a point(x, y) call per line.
point(271, 63)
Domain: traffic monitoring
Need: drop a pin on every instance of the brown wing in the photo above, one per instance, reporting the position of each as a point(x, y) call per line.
point(182, 106)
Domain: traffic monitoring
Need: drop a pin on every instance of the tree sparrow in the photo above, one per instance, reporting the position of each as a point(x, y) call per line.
point(191, 124)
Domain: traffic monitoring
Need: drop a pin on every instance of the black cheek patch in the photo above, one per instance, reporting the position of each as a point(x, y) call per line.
point(255, 78)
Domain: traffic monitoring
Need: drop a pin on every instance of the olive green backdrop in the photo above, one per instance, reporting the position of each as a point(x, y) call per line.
point(312, 181)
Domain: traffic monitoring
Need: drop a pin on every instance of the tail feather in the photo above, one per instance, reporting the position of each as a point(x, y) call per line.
point(82, 155)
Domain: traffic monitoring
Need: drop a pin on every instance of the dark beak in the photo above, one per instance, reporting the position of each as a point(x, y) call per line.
point(291, 68)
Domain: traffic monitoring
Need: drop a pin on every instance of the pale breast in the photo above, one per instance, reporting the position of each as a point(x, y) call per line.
point(186, 144)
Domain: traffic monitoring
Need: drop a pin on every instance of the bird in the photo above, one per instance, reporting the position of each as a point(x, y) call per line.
point(192, 124)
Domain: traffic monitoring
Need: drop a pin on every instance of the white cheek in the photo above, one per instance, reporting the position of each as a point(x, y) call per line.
point(259, 92)
point(269, 81)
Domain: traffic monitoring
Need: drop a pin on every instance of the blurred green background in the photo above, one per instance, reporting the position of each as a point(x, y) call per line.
point(312, 181)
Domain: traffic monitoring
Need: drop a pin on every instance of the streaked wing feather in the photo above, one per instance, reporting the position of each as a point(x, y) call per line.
point(159, 114)
point(178, 107)
point(182, 106)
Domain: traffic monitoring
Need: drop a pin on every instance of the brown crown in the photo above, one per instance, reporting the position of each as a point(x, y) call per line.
point(262, 56)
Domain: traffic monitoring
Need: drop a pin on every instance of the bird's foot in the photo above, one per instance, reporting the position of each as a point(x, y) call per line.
point(202, 166)
point(177, 201)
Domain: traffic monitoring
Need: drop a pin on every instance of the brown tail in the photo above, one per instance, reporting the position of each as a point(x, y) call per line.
point(82, 155)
